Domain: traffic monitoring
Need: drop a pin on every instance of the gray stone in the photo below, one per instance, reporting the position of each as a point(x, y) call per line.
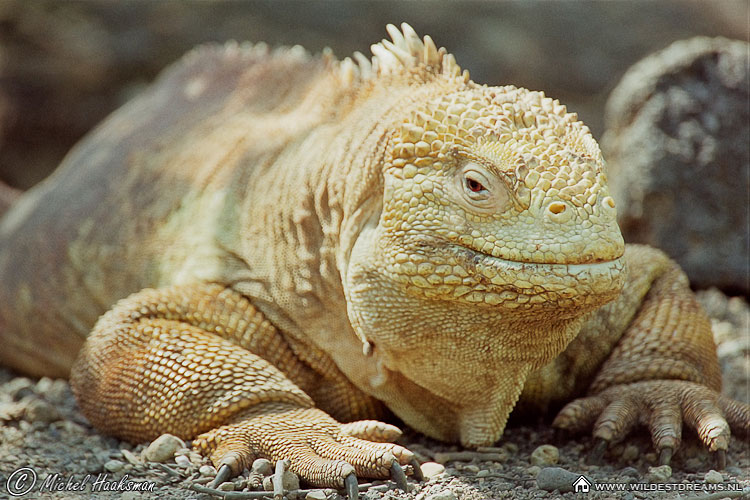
point(19, 388)
point(263, 467)
point(556, 478)
point(114, 466)
point(183, 461)
point(442, 495)
point(130, 456)
point(677, 156)
point(316, 495)
point(39, 410)
point(290, 481)
point(659, 474)
point(714, 477)
point(163, 448)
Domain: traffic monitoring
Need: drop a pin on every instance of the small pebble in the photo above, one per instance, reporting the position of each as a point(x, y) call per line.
point(483, 473)
point(735, 471)
point(659, 474)
point(228, 486)
point(533, 471)
point(443, 495)
point(19, 388)
point(556, 478)
point(163, 448)
point(545, 454)
point(714, 477)
point(470, 468)
point(263, 467)
point(290, 481)
point(114, 466)
point(630, 453)
point(207, 470)
point(432, 469)
point(183, 461)
point(630, 472)
point(39, 410)
point(130, 456)
point(316, 495)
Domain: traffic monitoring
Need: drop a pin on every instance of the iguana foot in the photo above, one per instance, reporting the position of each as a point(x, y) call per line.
point(662, 406)
point(321, 450)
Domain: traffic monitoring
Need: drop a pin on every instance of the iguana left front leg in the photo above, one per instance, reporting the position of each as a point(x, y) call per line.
point(200, 361)
point(662, 372)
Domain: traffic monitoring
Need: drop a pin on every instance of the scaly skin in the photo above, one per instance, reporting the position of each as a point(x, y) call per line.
point(309, 242)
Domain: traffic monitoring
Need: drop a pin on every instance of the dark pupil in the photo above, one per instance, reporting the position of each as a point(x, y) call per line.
point(474, 185)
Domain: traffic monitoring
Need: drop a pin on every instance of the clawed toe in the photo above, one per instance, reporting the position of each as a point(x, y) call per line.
point(721, 459)
point(597, 453)
point(417, 470)
point(665, 456)
point(398, 476)
point(223, 475)
point(352, 487)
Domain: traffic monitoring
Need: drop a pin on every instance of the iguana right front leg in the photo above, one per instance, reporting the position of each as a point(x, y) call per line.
point(186, 360)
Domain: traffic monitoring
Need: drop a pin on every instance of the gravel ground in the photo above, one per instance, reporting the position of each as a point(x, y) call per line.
point(43, 431)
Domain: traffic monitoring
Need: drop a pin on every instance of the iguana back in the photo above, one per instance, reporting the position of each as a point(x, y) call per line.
point(97, 229)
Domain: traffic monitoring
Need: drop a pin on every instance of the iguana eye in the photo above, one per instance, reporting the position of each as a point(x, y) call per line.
point(481, 190)
point(474, 185)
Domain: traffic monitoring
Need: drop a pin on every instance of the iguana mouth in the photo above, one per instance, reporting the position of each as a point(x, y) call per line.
point(477, 257)
point(495, 280)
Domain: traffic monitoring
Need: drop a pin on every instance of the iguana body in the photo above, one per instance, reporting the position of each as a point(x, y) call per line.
point(309, 237)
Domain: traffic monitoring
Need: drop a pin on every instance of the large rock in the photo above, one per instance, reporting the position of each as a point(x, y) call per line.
point(678, 157)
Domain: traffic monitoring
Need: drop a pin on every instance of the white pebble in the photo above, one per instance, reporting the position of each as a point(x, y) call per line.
point(714, 477)
point(207, 470)
point(163, 448)
point(432, 469)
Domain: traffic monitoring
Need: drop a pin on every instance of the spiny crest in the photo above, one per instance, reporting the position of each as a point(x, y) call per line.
point(405, 50)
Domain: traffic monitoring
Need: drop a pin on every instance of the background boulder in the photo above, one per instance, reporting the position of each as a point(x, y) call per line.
point(678, 153)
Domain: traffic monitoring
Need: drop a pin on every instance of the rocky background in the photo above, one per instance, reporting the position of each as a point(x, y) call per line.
point(674, 131)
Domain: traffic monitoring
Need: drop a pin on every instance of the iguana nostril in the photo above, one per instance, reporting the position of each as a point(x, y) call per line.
point(556, 208)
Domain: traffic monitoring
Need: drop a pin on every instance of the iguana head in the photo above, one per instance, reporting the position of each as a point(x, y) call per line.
point(497, 234)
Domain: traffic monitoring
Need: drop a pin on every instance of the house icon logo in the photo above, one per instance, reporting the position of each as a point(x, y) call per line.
point(582, 485)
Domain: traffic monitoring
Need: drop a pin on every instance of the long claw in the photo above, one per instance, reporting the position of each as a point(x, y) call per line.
point(665, 456)
point(721, 459)
point(597, 454)
point(397, 474)
point(417, 470)
point(224, 473)
point(352, 487)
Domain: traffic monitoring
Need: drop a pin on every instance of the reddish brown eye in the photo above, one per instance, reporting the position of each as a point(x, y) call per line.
point(474, 185)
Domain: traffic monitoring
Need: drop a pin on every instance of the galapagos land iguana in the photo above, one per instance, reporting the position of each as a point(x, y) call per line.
point(268, 251)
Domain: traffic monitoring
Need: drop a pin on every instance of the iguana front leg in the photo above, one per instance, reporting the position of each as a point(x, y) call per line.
point(201, 362)
point(662, 372)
